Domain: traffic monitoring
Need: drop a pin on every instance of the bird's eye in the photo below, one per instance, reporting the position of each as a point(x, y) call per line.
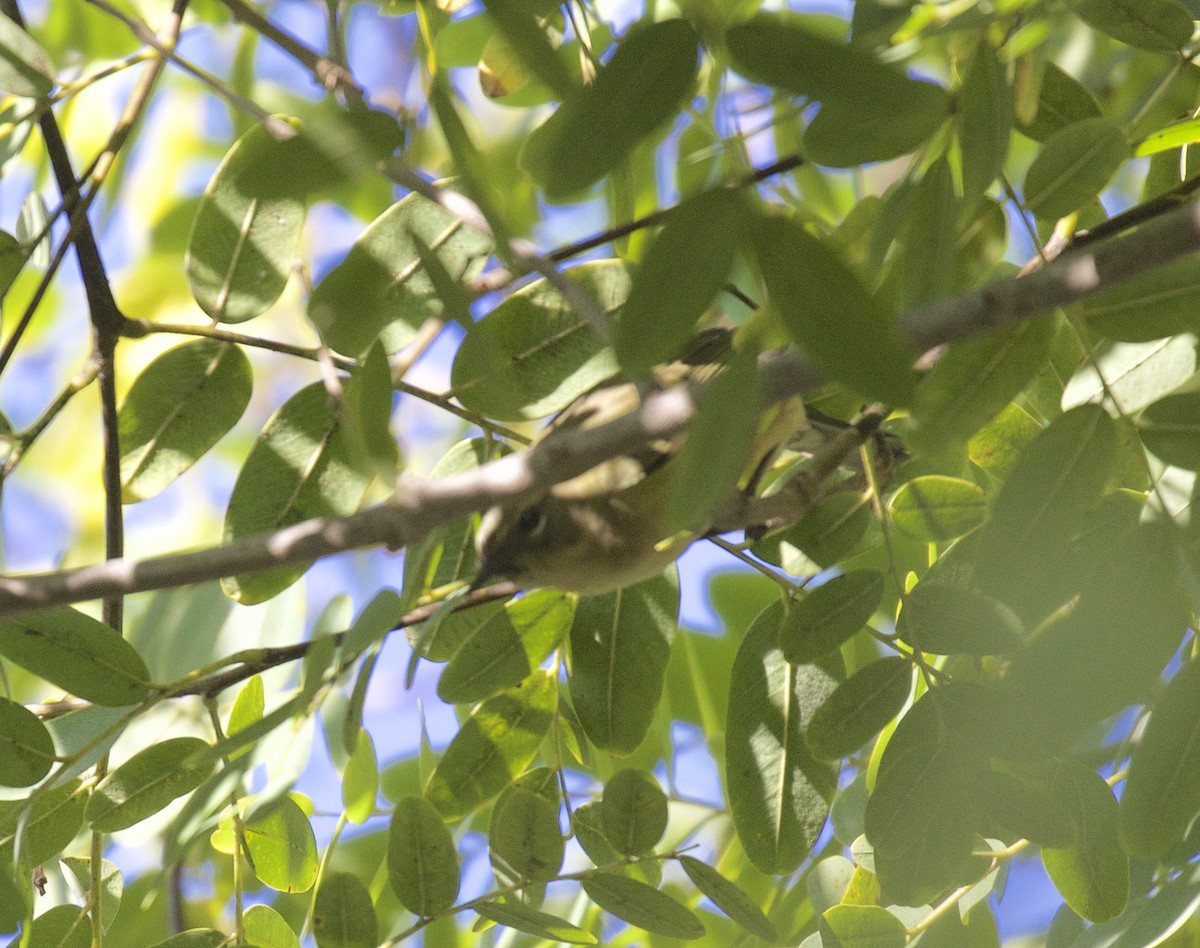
point(532, 521)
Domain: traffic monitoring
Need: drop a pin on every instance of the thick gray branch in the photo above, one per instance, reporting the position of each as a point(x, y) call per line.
point(421, 506)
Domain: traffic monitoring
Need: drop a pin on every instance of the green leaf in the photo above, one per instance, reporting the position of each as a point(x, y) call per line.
point(923, 814)
point(679, 278)
point(950, 620)
point(281, 846)
point(533, 355)
point(828, 533)
point(778, 791)
point(518, 24)
point(194, 938)
point(985, 121)
point(421, 859)
point(729, 898)
point(343, 915)
point(521, 917)
point(494, 745)
point(641, 905)
point(381, 290)
point(1062, 101)
point(146, 783)
point(828, 312)
point(862, 926)
point(1041, 506)
point(720, 445)
point(1159, 304)
point(181, 405)
point(78, 653)
point(644, 84)
point(1093, 873)
point(870, 111)
point(1175, 135)
point(25, 68)
point(27, 751)
point(975, 380)
point(1074, 165)
point(620, 644)
point(1159, 25)
point(1171, 429)
point(859, 708)
point(524, 840)
point(367, 415)
point(112, 885)
point(267, 928)
point(242, 246)
point(300, 467)
point(503, 651)
point(1162, 793)
point(360, 781)
point(634, 811)
point(936, 508)
point(64, 926)
point(51, 820)
point(827, 616)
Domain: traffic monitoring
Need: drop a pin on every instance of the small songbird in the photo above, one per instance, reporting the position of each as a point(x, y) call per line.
point(607, 528)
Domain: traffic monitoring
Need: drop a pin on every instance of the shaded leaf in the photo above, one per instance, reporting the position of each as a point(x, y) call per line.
point(729, 898)
point(1145, 24)
point(343, 915)
point(1171, 429)
point(641, 905)
point(524, 840)
point(949, 620)
point(493, 746)
point(986, 121)
point(1153, 306)
point(647, 80)
point(826, 617)
point(1062, 101)
point(242, 246)
point(859, 707)
point(778, 792)
point(25, 68)
point(381, 289)
point(78, 653)
point(1074, 165)
point(862, 926)
point(421, 858)
point(937, 508)
point(521, 917)
point(181, 405)
point(50, 823)
point(634, 811)
point(64, 926)
point(146, 783)
point(620, 645)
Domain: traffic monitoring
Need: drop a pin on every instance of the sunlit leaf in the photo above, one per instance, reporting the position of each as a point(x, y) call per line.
point(421, 859)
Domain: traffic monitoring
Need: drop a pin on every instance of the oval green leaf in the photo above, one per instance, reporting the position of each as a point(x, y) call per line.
point(950, 620)
point(1154, 306)
point(828, 312)
point(1162, 794)
point(64, 926)
point(1158, 25)
point(146, 783)
point(282, 847)
point(112, 885)
point(243, 246)
point(679, 278)
point(825, 618)
point(634, 811)
point(644, 84)
point(524, 841)
point(533, 354)
point(504, 650)
point(778, 791)
point(52, 821)
point(937, 508)
point(620, 645)
point(859, 708)
point(179, 406)
point(421, 858)
point(265, 926)
point(862, 926)
point(729, 898)
point(1062, 101)
point(1171, 429)
point(1074, 165)
point(25, 68)
point(382, 288)
point(300, 467)
point(642, 906)
point(493, 746)
point(343, 914)
point(26, 748)
point(360, 781)
point(77, 653)
point(1092, 874)
point(521, 917)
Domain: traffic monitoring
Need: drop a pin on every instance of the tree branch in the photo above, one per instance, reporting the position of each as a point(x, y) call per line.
point(421, 506)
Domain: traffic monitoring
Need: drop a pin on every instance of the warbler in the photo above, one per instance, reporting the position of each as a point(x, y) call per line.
point(607, 528)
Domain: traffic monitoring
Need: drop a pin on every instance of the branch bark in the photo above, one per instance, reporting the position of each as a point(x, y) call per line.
point(421, 506)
